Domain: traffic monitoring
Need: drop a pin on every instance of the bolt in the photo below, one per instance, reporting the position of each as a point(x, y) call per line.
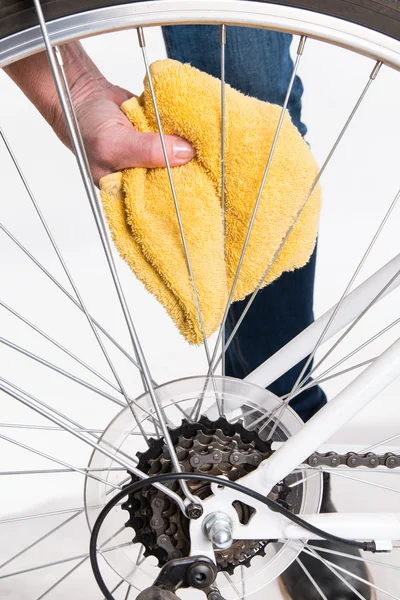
point(256, 459)
point(235, 457)
point(158, 502)
point(216, 456)
point(194, 511)
point(218, 528)
point(335, 460)
point(353, 460)
point(214, 596)
point(195, 460)
point(314, 460)
point(391, 461)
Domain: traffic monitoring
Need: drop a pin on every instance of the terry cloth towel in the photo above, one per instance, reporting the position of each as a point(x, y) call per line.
point(140, 210)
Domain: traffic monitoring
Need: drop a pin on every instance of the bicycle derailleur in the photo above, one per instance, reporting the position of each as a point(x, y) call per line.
point(198, 572)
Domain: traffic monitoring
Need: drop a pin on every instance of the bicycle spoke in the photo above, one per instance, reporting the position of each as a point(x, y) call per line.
point(384, 442)
point(95, 205)
point(63, 264)
point(311, 578)
point(223, 44)
point(58, 345)
point(128, 592)
point(333, 568)
point(351, 327)
point(142, 44)
point(129, 465)
point(71, 376)
point(318, 380)
point(357, 558)
point(359, 266)
point(115, 588)
point(48, 428)
point(59, 370)
point(42, 538)
point(84, 559)
point(315, 182)
point(346, 357)
point(243, 582)
point(58, 471)
point(343, 570)
point(232, 584)
point(39, 515)
point(360, 316)
point(51, 277)
point(60, 462)
point(372, 483)
point(257, 203)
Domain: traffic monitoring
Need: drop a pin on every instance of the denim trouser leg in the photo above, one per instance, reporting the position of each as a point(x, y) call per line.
point(258, 63)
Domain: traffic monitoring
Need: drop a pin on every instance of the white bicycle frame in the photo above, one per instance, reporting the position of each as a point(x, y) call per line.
point(383, 528)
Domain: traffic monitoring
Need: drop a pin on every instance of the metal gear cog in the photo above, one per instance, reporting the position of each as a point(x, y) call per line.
point(215, 448)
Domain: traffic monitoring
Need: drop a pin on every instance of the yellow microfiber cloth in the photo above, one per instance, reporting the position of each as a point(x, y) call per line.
point(140, 210)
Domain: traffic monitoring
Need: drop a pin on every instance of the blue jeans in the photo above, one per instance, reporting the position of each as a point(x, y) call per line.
point(258, 63)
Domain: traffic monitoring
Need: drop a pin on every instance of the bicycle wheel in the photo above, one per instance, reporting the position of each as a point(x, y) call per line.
point(220, 415)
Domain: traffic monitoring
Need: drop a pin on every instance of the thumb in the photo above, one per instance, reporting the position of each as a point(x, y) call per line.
point(137, 149)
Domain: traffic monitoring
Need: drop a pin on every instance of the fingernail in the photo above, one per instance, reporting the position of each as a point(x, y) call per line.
point(183, 150)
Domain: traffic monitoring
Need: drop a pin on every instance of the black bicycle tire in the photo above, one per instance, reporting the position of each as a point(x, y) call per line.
point(380, 15)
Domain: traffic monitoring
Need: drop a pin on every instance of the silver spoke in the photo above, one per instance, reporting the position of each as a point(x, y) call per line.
point(382, 443)
point(42, 538)
point(60, 562)
point(128, 592)
point(371, 483)
point(115, 588)
point(40, 515)
point(48, 428)
point(311, 578)
point(58, 345)
point(58, 461)
point(223, 44)
point(95, 205)
point(362, 261)
point(54, 471)
point(367, 561)
point(129, 465)
point(257, 203)
point(320, 173)
point(44, 566)
point(63, 264)
point(67, 294)
point(243, 582)
point(232, 584)
point(71, 376)
point(360, 316)
point(337, 568)
point(84, 559)
point(322, 377)
point(319, 380)
point(59, 370)
point(351, 327)
point(142, 44)
point(333, 568)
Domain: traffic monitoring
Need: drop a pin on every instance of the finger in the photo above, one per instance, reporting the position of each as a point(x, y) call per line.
point(136, 149)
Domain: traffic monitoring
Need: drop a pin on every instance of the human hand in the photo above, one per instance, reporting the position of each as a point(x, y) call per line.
point(111, 141)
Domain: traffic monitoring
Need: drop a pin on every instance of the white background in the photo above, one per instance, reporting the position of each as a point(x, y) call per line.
point(359, 185)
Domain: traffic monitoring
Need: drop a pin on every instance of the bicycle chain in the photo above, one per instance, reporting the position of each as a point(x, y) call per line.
point(354, 460)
